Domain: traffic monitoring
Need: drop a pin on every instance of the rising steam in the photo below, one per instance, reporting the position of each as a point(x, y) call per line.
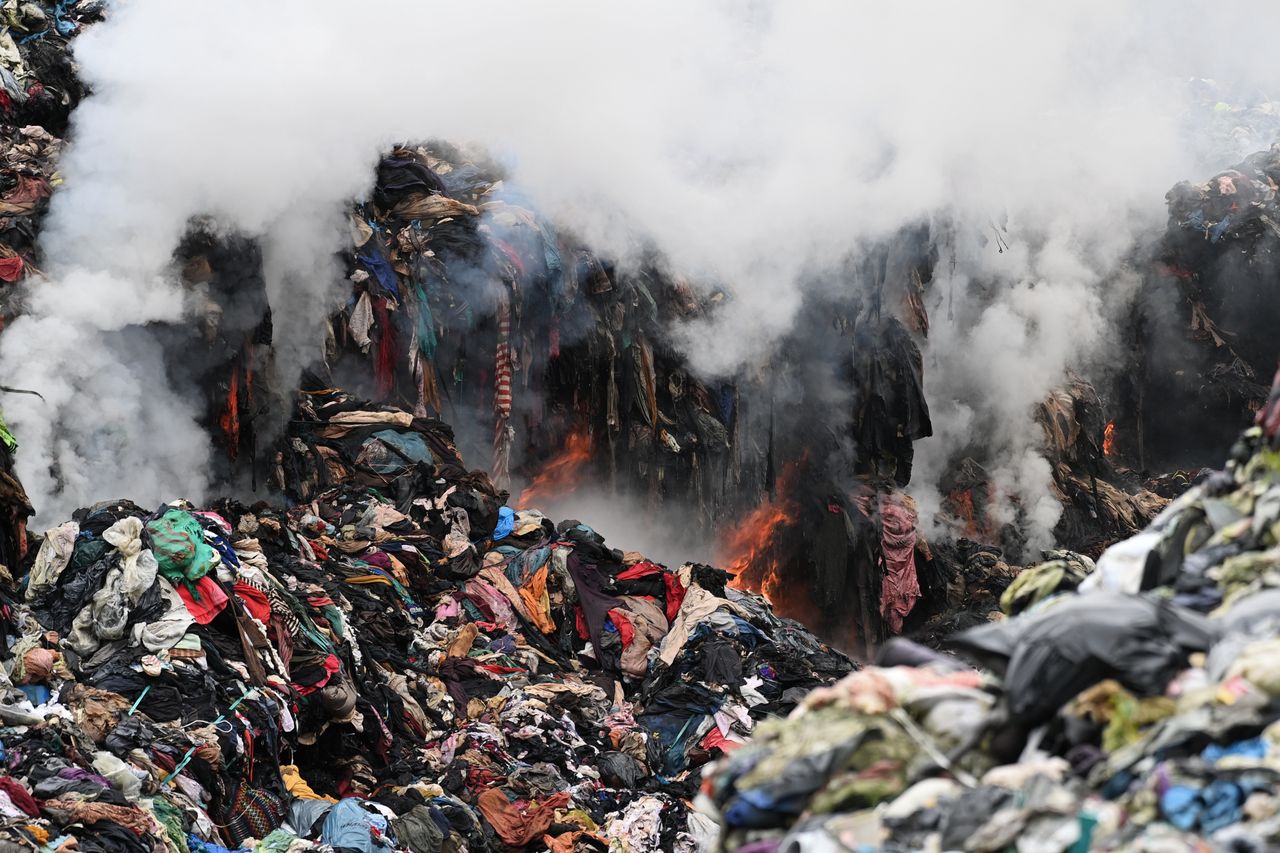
point(749, 142)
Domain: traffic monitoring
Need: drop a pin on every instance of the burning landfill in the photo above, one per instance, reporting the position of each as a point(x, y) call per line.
point(821, 497)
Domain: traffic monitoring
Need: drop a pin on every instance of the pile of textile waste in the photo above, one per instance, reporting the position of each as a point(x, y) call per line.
point(398, 662)
point(1132, 704)
point(38, 90)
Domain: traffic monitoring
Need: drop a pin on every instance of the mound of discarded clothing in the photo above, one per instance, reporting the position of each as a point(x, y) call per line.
point(1129, 705)
point(38, 90)
point(1215, 262)
point(398, 661)
point(464, 299)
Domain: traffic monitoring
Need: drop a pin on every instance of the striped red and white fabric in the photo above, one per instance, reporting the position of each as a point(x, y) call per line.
point(502, 363)
point(503, 434)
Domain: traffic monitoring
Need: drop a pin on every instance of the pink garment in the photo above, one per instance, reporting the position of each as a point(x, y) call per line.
point(901, 588)
point(223, 527)
point(486, 596)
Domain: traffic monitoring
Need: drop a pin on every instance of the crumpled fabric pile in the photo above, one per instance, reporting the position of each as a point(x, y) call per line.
point(1220, 233)
point(1131, 705)
point(38, 90)
point(1231, 202)
point(399, 662)
point(463, 297)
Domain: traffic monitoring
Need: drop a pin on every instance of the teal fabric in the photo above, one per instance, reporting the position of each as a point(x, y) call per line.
point(177, 540)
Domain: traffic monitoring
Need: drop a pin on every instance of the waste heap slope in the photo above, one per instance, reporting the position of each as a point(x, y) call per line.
point(398, 661)
point(1132, 705)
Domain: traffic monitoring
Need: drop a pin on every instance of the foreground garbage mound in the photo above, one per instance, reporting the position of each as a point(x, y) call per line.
point(1134, 705)
point(399, 662)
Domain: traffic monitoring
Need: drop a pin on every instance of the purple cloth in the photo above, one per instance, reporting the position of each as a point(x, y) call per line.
point(78, 774)
point(592, 598)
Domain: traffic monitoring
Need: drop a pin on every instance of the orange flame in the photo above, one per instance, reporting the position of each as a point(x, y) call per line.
point(229, 420)
point(961, 506)
point(560, 476)
point(747, 548)
point(1109, 439)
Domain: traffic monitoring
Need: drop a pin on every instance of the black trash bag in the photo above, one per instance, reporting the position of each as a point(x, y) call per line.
point(1049, 657)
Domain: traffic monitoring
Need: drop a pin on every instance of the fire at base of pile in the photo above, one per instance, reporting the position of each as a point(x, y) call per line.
point(1129, 706)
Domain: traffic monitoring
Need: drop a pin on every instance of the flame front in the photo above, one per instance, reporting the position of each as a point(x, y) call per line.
point(748, 548)
point(750, 552)
point(561, 475)
point(1109, 439)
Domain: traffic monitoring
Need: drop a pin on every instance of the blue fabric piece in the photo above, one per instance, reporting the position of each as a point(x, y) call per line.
point(1218, 230)
point(37, 693)
point(441, 819)
point(1194, 221)
point(1222, 806)
point(65, 27)
point(349, 825)
point(224, 549)
point(675, 730)
point(763, 800)
point(741, 814)
point(1180, 805)
point(555, 268)
point(380, 268)
point(741, 630)
point(400, 451)
point(756, 810)
point(427, 342)
point(1217, 805)
point(506, 523)
point(526, 564)
point(1117, 785)
point(199, 845)
point(725, 398)
point(1252, 748)
point(408, 446)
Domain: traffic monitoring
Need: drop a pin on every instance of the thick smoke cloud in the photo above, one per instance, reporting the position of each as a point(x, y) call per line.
point(748, 141)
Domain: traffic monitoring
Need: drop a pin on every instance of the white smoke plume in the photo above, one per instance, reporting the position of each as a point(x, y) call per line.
point(748, 141)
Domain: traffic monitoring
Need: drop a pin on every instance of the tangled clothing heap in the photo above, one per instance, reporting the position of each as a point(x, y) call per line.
point(1131, 705)
point(400, 662)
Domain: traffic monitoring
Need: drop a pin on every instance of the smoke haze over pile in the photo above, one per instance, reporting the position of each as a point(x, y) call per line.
point(749, 142)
